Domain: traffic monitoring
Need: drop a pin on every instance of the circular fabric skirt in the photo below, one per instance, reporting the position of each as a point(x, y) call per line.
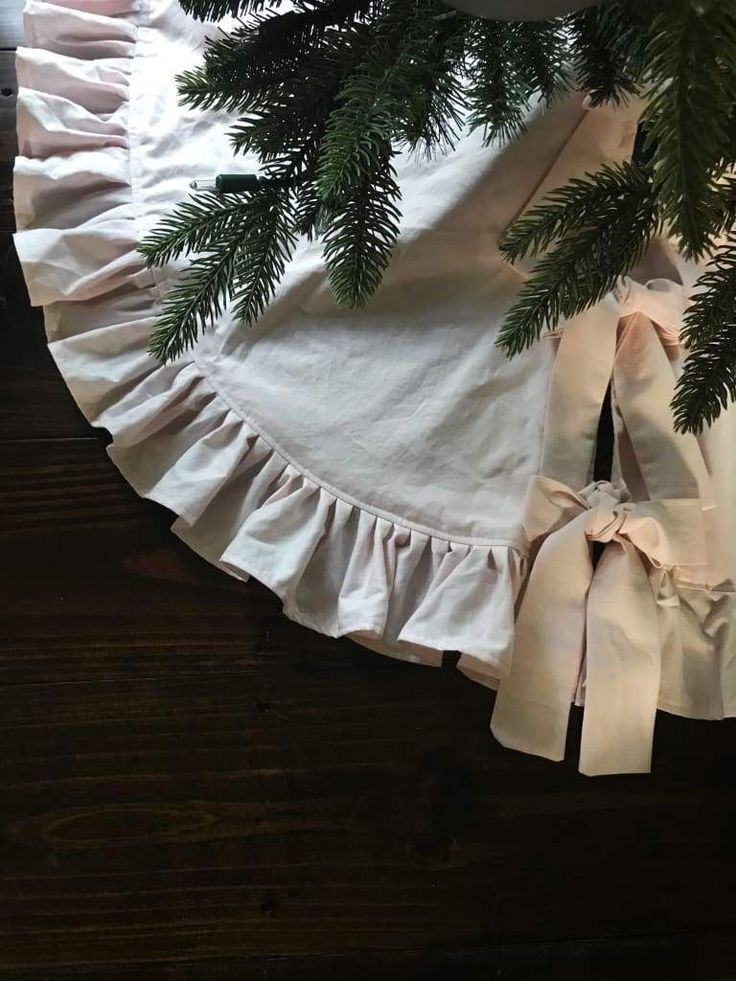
point(376, 467)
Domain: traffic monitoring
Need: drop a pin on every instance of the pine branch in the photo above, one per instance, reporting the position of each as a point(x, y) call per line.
point(579, 202)
point(692, 61)
point(298, 113)
point(267, 245)
point(605, 237)
point(241, 69)
point(242, 259)
point(195, 300)
point(369, 105)
point(360, 236)
point(498, 93)
point(608, 48)
point(708, 380)
point(217, 9)
point(309, 22)
point(192, 226)
point(541, 51)
point(434, 103)
point(311, 212)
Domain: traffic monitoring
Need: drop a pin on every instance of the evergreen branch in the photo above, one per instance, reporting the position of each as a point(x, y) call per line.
point(608, 50)
point(298, 113)
point(268, 244)
point(708, 380)
point(369, 105)
point(359, 237)
point(727, 204)
point(308, 22)
point(498, 93)
point(590, 256)
point(196, 299)
point(240, 70)
point(692, 61)
point(192, 226)
point(217, 9)
point(541, 51)
point(579, 202)
point(311, 211)
point(434, 103)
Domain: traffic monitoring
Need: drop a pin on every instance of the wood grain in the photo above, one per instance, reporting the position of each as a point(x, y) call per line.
point(193, 787)
point(8, 96)
point(11, 24)
point(34, 402)
point(187, 775)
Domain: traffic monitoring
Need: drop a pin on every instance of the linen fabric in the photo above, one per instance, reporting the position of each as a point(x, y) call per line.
point(384, 470)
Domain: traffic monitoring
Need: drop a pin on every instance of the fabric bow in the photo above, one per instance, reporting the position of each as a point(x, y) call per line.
point(662, 301)
point(609, 613)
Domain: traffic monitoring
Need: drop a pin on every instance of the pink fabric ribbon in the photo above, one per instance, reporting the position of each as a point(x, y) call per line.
point(598, 629)
point(609, 612)
point(661, 301)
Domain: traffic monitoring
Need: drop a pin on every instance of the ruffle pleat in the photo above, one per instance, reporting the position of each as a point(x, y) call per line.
point(338, 568)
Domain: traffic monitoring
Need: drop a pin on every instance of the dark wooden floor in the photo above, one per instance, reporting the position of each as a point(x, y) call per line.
point(191, 787)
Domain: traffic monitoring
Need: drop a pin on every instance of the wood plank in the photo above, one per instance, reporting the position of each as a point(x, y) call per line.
point(176, 819)
point(187, 776)
point(683, 958)
point(11, 24)
point(34, 401)
point(8, 137)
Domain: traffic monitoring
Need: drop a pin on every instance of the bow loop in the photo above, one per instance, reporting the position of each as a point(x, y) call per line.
point(661, 301)
point(609, 612)
point(549, 505)
point(606, 523)
point(667, 532)
point(608, 505)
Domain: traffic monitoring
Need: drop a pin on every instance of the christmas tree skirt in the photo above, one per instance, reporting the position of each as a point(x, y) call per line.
point(388, 472)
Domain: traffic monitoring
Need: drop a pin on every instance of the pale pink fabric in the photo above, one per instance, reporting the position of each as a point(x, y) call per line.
point(616, 637)
point(370, 467)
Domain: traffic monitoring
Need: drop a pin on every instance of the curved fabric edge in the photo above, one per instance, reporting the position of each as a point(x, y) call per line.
point(698, 610)
point(338, 569)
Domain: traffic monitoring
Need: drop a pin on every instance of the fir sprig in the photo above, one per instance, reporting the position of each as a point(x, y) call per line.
point(499, 93)
point(217, 9)
point(708, 380)
point(434, 102)
point(691, 54)
point(368, 109)
point(198, 297)
point(580, 202)
point(193, 225)
point(607, 52)
point(265, 250)
point(598, 228)
point(329, 91)
point(359, 237)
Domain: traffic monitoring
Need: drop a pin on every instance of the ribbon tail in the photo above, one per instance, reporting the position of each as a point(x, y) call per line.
point(623, 666)
point(533, 703)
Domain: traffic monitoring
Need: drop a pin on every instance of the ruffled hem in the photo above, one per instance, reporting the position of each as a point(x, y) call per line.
point(337, 567)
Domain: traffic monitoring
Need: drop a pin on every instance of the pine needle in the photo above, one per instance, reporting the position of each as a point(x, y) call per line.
point(691, 57)
point(359, 238)
point(217, 9)
point(598, 229)
point(193, 302)
point(193, 225)
point(708, 380)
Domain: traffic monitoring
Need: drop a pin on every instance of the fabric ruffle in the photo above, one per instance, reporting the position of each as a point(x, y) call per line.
point(241, 503)
point(698, 607)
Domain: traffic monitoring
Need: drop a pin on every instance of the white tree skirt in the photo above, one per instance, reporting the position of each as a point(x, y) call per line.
point(371, 467)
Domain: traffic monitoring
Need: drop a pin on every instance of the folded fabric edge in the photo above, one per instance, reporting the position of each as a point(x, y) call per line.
point(337, 568)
